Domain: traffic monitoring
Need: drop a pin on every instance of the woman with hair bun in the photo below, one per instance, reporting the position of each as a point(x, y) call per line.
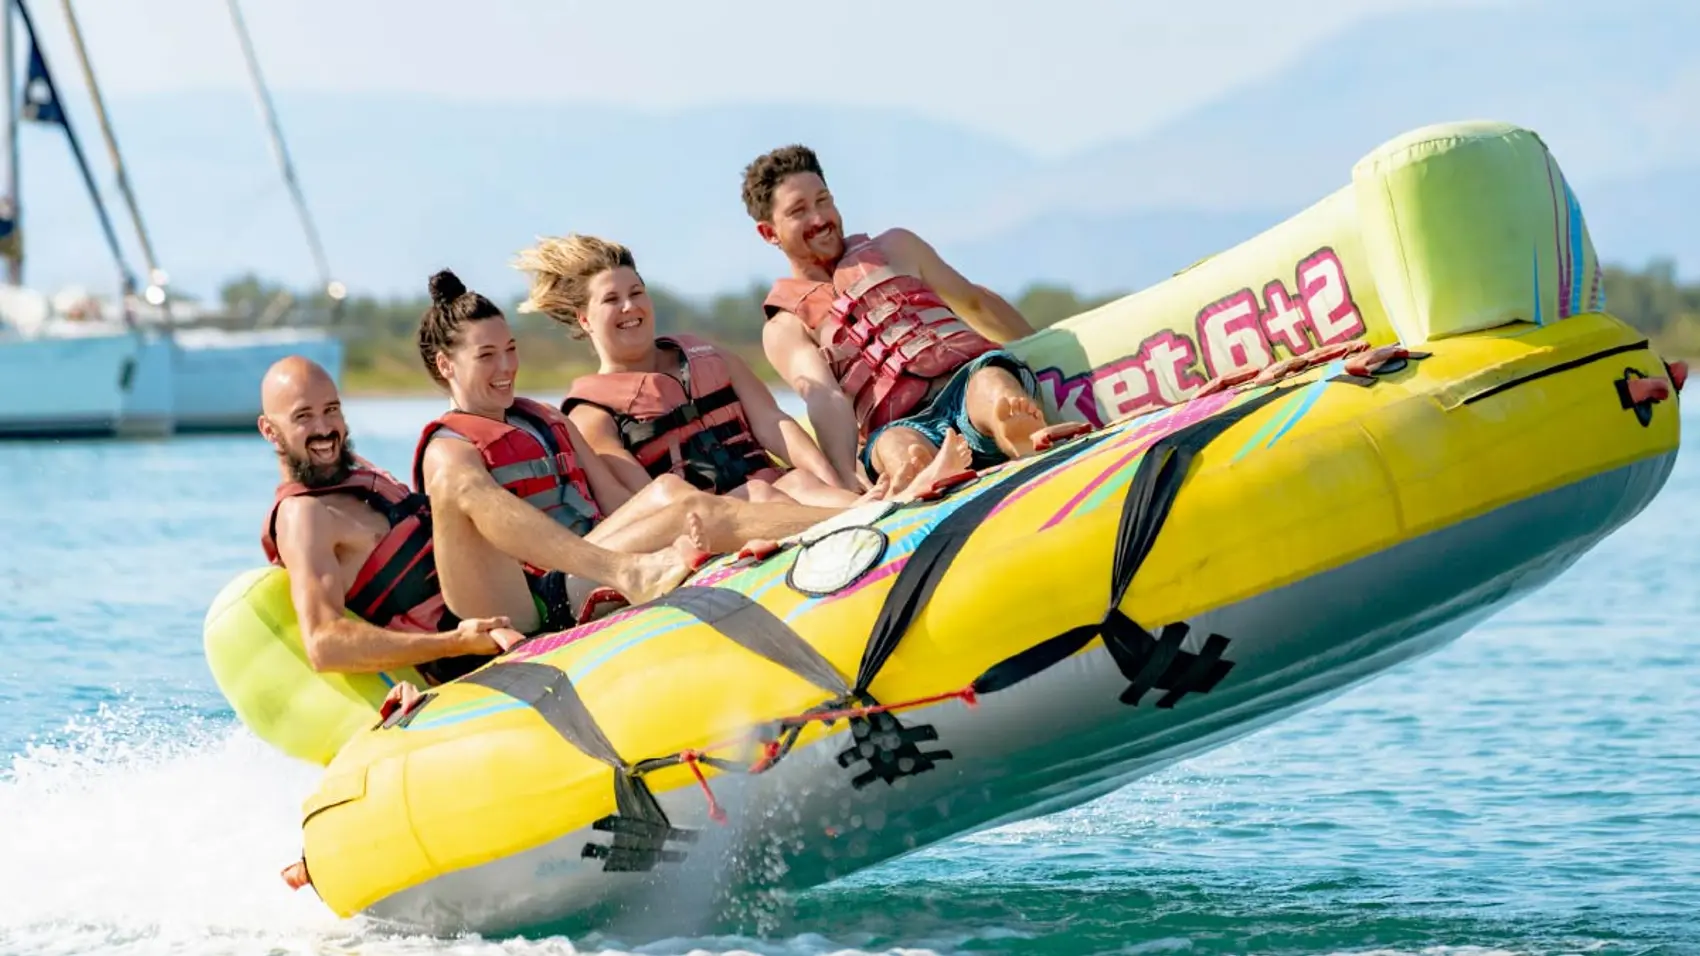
point(526, 518)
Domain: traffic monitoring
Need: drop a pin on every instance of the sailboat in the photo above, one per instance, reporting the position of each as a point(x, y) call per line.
point(68, 367)
point(179, 368)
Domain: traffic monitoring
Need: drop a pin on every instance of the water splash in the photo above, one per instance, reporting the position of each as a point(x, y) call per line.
point(133, 834)
point(127, 829)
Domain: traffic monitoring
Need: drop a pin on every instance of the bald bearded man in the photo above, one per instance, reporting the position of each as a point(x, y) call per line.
point(354, 538)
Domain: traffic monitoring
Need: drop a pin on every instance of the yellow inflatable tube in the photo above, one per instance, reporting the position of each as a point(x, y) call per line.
point(253, 647)
point(1257, 550)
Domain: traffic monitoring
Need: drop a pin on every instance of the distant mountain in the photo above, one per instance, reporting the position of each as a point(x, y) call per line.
point(403, 186)
point(1614, 90)
point(1101, 254)
point(1633, 220)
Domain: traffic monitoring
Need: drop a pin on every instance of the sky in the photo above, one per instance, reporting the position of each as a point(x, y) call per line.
point(1053, 77)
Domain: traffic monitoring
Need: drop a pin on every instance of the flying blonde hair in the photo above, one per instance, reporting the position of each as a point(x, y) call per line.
point(561, 268)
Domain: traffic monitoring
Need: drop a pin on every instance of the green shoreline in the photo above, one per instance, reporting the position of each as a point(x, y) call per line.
point(383, 357)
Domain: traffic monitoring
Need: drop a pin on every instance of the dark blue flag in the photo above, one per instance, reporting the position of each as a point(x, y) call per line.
point(41, 100)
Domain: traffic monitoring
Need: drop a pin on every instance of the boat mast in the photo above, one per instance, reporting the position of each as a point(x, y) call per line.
point(155, 294)
point(332, 288)
point(14, 254)
point(46, 106)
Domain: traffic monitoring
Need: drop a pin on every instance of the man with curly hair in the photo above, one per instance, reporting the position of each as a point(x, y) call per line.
point(888, 346)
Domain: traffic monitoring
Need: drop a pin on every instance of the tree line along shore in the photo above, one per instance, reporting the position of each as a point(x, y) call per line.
point(382, 357)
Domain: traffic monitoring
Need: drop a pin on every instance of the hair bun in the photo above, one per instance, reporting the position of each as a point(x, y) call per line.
point(446, 287)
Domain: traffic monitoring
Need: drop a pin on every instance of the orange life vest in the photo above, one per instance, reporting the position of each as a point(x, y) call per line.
point(693, 425)
point(545, 474)
point(888, 337)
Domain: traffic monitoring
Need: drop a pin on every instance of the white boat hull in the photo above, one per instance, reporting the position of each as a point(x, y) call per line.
point(83, 386)
point(216, 374)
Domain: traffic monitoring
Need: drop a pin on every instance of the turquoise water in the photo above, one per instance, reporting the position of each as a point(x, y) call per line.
point(1535, 788)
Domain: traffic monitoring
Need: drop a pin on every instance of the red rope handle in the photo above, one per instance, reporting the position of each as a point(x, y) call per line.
point(966, 695)
point(295, 875)
point(769, 756)
point(771, 749)
point(692, 759)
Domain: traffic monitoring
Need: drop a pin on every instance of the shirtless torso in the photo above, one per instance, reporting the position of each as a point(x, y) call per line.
point(351, 526)
point(343, 555)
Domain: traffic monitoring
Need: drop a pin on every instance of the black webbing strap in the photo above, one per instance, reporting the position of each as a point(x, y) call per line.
point(716, 459)
point(936, 552)
point(757, 630)
point(640, 831)
point(888, 746)
point(550, 692)
point(407, 580)
point(636, 434)
point(639, 827)
point(1147, 661)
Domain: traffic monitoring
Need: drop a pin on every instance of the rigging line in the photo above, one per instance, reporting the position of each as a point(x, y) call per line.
point(281, 152)
point(156, 278)
point(15, 257)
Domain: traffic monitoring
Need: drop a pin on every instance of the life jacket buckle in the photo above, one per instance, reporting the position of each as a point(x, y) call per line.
point(564, 463)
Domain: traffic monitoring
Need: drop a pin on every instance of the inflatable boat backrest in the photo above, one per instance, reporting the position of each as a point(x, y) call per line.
point(1445, 230)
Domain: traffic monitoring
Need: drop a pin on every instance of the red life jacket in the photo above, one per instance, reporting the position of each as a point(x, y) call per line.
point(397, 585)
point(888, 337)
point(693, 426)
point(546, 474)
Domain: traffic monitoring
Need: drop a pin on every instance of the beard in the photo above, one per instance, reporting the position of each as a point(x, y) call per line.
point(303, 469)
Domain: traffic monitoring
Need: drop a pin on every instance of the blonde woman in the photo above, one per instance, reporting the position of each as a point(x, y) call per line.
point(674, 404)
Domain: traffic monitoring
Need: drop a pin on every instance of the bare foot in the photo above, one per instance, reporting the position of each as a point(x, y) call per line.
point(880, 489)
point(658, 572)
point(901, 476)
point(953, 458)
point(1016, 419)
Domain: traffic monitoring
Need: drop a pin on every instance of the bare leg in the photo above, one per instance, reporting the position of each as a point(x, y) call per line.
point(657, 494)
point(478, 580)
point(726, 523)
point(802, 487)
point(759, 491)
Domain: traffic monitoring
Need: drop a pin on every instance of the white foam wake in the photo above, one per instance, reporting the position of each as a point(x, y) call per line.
point(160, 838)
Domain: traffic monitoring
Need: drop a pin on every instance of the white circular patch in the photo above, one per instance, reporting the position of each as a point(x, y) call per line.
point(836, 560)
